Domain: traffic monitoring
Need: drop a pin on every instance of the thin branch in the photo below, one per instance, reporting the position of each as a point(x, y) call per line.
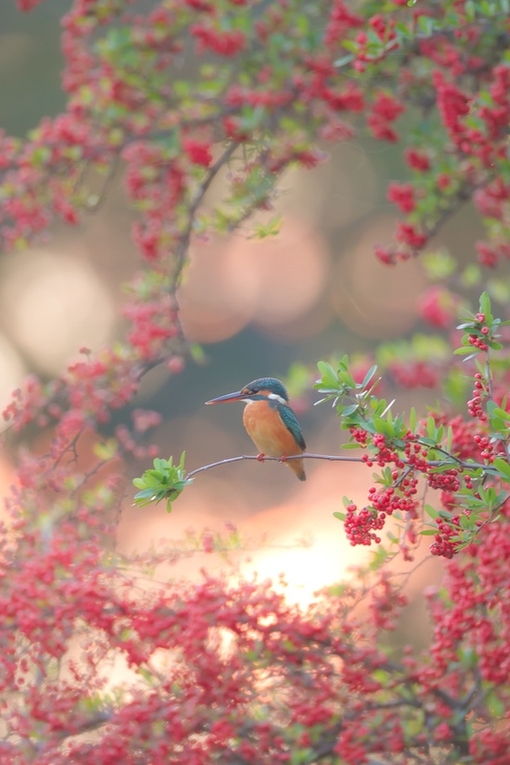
point(195, 203)
point(328, 457)
point(263, 458)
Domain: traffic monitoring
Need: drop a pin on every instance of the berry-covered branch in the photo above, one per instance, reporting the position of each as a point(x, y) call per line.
point(474, 489)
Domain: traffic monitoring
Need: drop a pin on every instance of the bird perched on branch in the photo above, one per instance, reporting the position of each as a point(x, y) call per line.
point(269, 421)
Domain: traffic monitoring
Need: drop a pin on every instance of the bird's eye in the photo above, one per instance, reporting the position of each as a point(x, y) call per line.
point(255, 390)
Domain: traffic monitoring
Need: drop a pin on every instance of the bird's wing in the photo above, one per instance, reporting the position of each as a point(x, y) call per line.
point(289, 419)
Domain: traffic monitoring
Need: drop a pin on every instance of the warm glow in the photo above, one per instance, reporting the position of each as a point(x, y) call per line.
point(219, 293)
point(272, 281)
point(53, 305)
point(290, 271)
point(298, 538)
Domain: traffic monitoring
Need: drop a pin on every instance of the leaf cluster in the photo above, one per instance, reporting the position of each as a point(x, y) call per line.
point(165, 481)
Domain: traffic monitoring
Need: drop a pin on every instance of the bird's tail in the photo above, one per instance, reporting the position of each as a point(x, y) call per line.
point(297, 467)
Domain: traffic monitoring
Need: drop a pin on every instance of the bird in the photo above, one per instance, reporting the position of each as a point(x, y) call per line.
point(269, 421)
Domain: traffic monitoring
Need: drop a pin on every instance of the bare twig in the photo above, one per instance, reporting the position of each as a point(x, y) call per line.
point(329, 457)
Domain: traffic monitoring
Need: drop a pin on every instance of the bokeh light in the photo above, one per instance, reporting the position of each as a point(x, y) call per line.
point(219, 294)
point(52, 304)
point(270, 281)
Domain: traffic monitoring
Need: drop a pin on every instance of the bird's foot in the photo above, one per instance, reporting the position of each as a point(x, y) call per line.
point(283, 458)
point(261, 457)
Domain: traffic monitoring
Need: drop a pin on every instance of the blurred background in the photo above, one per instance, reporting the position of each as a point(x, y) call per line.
point(257, 307)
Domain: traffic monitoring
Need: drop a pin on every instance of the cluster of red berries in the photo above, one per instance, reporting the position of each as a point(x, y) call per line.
point(394, 499)
point(360, 526)
point(446, 481)
point(474, 404)
point(486, 448)
point(444, 545)
point(359, 435)
point(416, 454)
point(474, 339)
point(385, 453)
point(477, 342)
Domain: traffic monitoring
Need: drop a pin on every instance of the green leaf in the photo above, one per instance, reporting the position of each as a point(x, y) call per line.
point(470, 10)
point(145, 494)
point(152, 478)
point(466, 325)
point(431, 511)
point(485, 307)
point(502, 467)
point(412, 419)
point(495, 705)
point(340, 62)
point(346, 379)
point(349, 410)
point(498, 412)
point(328, 374)
point(466, 522)
point(431, 429)
point(350, 45)
point(426, 24)
point(449, 439)
point(371, 372)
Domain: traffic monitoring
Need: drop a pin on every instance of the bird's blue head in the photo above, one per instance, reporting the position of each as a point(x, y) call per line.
point(257, 390)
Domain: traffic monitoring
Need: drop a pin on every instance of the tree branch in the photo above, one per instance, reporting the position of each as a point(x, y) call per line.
point(330, 458)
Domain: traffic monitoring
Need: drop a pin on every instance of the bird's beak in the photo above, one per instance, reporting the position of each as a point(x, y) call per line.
point(236, 396)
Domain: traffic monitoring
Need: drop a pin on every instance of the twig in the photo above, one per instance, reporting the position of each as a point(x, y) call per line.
point(328, 457)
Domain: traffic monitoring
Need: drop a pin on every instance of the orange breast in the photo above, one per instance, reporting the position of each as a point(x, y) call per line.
point(267, 431)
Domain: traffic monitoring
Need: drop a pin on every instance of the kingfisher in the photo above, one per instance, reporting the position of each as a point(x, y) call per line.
point(269, 421)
